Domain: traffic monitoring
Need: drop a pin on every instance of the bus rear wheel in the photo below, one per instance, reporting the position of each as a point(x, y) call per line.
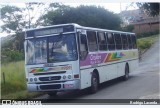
point(94, 83)
point(126, 76)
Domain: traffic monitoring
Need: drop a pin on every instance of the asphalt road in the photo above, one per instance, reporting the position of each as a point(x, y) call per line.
point(142, 84)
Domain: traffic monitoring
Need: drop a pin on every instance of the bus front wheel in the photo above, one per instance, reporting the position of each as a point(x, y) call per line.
point(94, 83)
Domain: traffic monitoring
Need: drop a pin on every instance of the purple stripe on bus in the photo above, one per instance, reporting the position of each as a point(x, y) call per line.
point(92, 59)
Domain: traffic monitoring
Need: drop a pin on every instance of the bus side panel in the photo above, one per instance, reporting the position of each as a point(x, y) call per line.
point(121, 68)
point(111, 71)
point(86, 78)
point(107, 72)
point(102, 74)
point(133, 65)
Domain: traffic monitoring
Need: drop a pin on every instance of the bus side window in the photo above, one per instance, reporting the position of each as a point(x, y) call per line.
point(124, 41)
point(129, 42)
point(134, 43)
point(118, 41)
point(83, 46)
point(102, 41)
point(110, 41)
point(92, 41)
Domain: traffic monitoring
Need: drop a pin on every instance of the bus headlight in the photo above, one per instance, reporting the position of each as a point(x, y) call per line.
point(35, 79)
point(69, 76)
point(64, 77)
point(31, 79)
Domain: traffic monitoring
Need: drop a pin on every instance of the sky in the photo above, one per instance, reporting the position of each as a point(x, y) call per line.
point(115, 7)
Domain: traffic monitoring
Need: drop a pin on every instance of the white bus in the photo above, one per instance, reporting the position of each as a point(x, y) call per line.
point(69, 57)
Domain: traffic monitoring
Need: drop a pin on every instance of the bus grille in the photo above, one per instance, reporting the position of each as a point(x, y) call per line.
point(50, 78)
point(46, 87)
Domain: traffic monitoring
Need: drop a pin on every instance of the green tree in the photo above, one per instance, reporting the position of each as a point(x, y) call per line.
point(17, 19)
point(151, 8)
point(91, 16)
point(11, 17)
point(128, 28)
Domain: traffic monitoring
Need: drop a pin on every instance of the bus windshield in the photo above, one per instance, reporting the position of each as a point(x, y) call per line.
point(59, 48)
point(36, 51)
point(62, 48)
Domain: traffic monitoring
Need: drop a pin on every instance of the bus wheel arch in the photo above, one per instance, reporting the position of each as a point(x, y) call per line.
point(97, 73)
point(94, 81)
point(127, 64)
point(126, 71)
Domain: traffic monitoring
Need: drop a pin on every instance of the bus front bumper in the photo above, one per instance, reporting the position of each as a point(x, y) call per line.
point(61, 86)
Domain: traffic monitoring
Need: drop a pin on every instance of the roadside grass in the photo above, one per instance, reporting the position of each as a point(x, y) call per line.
point(14, 77)
point(23, 94)
point(145, 43)
point(14, 86)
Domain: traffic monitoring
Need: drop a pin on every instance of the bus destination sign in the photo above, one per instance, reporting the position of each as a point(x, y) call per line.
point(49, 31)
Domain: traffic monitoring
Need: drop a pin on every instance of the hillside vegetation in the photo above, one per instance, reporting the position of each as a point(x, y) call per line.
point(145, 43)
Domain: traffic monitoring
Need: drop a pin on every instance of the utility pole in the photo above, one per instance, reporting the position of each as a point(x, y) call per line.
point(120, 8)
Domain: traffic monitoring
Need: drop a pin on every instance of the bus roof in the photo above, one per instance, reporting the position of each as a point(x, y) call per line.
point(81, 27)
point(58, 25)
point(105, 30)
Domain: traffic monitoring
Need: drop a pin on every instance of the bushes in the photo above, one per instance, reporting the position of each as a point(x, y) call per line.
point(147, 34)
point(11, 55)
point(128, 28)
point(145, 43)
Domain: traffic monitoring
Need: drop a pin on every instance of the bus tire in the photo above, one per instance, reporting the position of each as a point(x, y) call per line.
point(52, 94)
point(126, 76)
point(94, 83)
